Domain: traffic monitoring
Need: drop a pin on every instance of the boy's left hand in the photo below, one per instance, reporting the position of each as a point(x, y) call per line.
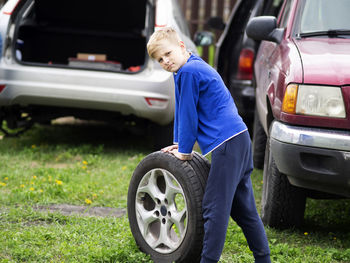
point(182, 157)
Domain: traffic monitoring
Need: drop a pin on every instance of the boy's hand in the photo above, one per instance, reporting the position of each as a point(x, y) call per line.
point(170, 148)
point(181, 156)
point(173, 149)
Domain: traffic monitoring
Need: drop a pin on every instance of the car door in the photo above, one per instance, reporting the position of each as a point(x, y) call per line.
point(269, 71)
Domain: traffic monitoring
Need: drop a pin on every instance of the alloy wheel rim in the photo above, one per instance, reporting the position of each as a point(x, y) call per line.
point(161, 210)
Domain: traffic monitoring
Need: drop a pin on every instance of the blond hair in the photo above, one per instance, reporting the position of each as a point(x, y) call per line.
point(164, 33)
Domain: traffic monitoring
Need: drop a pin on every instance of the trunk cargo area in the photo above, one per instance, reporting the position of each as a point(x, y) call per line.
point(101, 35)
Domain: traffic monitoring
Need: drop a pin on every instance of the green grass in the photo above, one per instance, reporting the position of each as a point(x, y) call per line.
point(29, 236)
point(92, 166)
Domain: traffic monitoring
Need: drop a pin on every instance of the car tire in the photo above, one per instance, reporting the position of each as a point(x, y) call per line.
point(165, 206)
point(283, 205)
point(259, 142)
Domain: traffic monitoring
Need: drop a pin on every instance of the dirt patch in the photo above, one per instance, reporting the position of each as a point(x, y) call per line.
point(34, 165)
point(66, 209)
point(58, 165)
point(51, 165)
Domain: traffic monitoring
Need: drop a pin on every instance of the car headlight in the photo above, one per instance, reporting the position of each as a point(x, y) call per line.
point(325, 101)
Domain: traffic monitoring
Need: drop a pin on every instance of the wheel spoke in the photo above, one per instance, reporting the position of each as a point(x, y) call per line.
point(171, 189)
point(151, 187)
point(164, 237)
point(146, 217)
point(178, 218)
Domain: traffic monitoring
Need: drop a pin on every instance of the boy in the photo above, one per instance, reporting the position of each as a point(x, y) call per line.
point(205, 112)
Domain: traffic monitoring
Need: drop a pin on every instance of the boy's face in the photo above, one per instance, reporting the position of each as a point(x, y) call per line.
point(171, 56)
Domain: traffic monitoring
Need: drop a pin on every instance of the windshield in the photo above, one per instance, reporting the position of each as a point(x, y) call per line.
point(325, 15)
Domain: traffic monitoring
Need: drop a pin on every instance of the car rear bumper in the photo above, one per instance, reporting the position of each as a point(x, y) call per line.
point(313, 158)
point(116, 92)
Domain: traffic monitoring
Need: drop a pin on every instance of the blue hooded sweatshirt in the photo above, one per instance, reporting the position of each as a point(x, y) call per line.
point(204, 109)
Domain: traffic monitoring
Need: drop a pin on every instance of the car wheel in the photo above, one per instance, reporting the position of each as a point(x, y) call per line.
point(283, 204)
point(165, 206)
point(259, 143)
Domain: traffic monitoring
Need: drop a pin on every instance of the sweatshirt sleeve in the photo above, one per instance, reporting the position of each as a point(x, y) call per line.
point(176, 118)
point(187, 112)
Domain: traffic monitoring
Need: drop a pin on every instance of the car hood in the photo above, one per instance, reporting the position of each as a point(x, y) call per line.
point(325, 60)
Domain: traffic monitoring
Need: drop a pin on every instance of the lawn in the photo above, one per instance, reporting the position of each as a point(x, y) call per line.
point(91, 166)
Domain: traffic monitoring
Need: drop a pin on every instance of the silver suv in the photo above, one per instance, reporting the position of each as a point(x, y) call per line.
point(86, 59)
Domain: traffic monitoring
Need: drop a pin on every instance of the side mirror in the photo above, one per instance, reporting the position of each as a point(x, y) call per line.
point(216, 22)
point(264, 28)
point(203, 38)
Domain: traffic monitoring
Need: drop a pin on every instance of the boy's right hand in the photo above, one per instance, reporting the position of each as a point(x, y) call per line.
point(170, 148)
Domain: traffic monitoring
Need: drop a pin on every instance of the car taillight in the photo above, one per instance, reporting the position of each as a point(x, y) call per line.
point(2, 87)
point(245, 64)
point(156, 102)
point(9, 7)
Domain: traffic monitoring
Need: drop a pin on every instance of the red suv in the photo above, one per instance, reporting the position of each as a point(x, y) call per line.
point(302, 73)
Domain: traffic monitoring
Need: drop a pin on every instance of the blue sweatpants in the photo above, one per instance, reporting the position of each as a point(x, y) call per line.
point(228, 193)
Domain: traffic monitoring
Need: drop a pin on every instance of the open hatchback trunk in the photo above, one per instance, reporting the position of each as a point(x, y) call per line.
point(102, 35)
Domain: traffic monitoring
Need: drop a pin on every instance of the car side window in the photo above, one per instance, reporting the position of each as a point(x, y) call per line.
point(285, 14)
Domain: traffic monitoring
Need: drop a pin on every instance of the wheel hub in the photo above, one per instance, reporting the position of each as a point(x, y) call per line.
point(163, 210)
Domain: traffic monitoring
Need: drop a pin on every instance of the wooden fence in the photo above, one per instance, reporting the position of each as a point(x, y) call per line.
point(197, 12)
